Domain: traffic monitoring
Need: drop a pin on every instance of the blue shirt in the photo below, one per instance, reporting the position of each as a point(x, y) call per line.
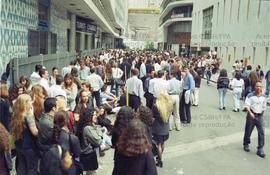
point(189, 83)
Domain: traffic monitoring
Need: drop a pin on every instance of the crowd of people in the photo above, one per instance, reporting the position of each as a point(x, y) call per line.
point(59, 123)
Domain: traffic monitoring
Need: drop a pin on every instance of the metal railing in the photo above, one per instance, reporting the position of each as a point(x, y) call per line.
point(25, 66)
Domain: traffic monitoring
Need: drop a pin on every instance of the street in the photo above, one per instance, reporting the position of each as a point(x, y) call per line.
point(211, 144)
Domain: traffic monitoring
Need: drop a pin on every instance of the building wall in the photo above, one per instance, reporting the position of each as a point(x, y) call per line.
point(17, 16)
point(59, 24)
point(237, 31)
point(120, 8)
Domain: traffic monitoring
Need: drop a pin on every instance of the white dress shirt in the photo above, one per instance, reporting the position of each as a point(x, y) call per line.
point(56, 90)
point(135, 87)
point(157, 86)
point(95, 81)
point(44, 83)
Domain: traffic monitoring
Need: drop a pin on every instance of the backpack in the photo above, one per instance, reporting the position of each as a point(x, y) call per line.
point(51, 162)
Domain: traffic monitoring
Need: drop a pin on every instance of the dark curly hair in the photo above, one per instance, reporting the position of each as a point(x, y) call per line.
point(86, 118)
point(124, 116)
point(133, 140)
point(60, 120)
point(145, 115)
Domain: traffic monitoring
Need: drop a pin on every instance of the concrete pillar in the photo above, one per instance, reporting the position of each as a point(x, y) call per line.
point(72, 33)
point(82, 41)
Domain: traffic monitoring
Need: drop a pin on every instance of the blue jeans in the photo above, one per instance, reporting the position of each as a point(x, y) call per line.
point(222, 93)
point(267, 88)
point(236, 98)
point(114, 88)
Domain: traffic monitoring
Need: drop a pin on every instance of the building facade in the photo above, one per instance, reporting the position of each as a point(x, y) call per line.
point(236, 29)
point(33, 27)
point(143, 17)
point(175, 24)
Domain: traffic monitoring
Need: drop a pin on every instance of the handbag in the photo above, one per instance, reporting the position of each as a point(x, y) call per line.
point(89, 161)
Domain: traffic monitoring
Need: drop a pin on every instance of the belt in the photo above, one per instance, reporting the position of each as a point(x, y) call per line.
point(133, 95)
point(174, 93)
point(256, 113)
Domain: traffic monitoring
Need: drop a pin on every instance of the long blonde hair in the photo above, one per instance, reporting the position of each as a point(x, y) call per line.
point(20, 108)
point(164, 105)
point(38, 96)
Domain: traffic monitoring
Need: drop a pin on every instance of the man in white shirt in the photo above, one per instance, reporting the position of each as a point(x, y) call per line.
point(44, 81)
point(255, 105)
point(35, 77)
point(135, 90)
point(56, 89)
point(158, 85)
point(96, 84)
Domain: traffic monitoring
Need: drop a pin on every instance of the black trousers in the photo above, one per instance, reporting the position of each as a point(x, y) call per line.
point(134, 101)
point(96, 95)
point(26, 162)
point(149, 99)
point(185, 115)
point(250, 124)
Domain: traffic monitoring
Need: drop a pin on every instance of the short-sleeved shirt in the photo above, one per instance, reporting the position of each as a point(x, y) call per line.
point(256, 103)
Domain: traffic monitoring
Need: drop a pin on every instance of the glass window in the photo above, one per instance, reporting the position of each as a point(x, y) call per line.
point(33, 43)
point(53, 43)
point(43, 42)
point(86, 42)
point(78, 42)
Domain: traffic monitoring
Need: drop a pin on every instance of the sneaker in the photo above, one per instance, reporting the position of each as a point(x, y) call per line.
point(224, 108)
point(246, 148)
point(260, 153)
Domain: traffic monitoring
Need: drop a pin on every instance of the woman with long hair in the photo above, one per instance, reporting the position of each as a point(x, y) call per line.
point(62, 106)
point(64, 138)
point(14, 92)
point(222, 86)
point(89, 135)
point(134, 152)
point(123, 117)
point(71, 90)
point(38, 100)
point(146, 116)
point(25, 83)
point(24, 131)
point(5, 157)
point(161, 111)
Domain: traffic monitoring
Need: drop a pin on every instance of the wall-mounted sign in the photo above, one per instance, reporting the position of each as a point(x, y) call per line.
point(85, 25)
point(178, 15)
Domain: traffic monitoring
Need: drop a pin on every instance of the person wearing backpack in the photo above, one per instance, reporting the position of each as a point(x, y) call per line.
point(66, 140)
point(222, 86)
point(56, 161)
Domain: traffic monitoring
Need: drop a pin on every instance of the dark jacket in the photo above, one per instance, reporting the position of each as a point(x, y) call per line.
point(142, 164)
point(70, 142)
point(51, 163)
point(5, 116)
point(223, 82)
point(159, 126)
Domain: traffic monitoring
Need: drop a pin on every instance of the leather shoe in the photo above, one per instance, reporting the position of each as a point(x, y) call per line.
point(246, 148)
point(261, 153)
